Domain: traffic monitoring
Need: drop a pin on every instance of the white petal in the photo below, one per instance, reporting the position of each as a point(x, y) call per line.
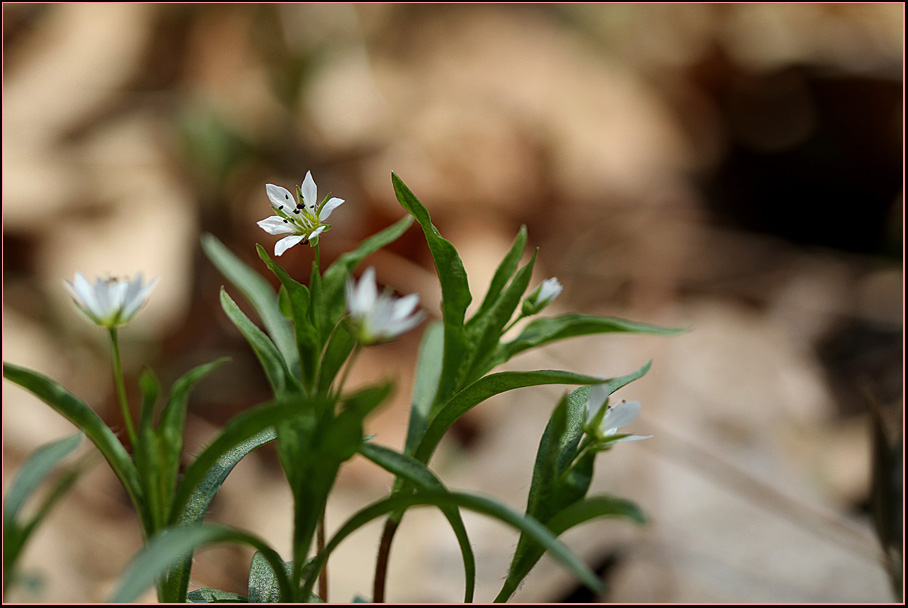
point(276, 225)
point(633, 438)
point(598, 395)
point(368, 288)
point(331, 205)
point(551, 289)
point(404, 306)
point(310, 191)
point(280, 197)
point(317, 232)
point(138, 299)
point(621, 414)
point(286, 243)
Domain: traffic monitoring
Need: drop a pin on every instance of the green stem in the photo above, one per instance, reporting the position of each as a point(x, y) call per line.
point(121, 387)
point(512, 324)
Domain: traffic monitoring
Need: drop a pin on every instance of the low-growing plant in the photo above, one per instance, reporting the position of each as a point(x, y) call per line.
point(307, 341)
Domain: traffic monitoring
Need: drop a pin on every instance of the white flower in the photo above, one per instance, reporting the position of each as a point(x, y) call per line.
point(110, 302)
point(541, 297)
point(616, 416)
point(380, 317)
point(302, 217)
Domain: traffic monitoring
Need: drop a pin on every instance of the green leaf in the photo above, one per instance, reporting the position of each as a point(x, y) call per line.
point(215, 596)
point(550, 329)
point(76, 411)
point(487, 333)
point(421, 477)
point(298, 300)
point(33, 472)
point(150, 388)
point(482, 389)
point(428, 372)
point(472, 502)
point(264, 586)
point(172, 422)
point(168, 547)
point(272, 362)
point(503, 274)
point(577, 513)
point(206, 474)
point(259, 293)
point(341, 343)
point(455, 290)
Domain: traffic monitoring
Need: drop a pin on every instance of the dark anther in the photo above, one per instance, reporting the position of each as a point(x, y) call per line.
point(286, 221)
point(296, 210)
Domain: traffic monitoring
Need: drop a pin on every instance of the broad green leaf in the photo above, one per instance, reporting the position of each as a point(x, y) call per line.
point(421, 477)
point(272, 362)
point(573, 515)
point(76, 411)
point(428, 372)
point(169, 547)
point(550, 329)
point(482, 389)
point(215, 596)
point(503, 274)
point(472, 502)
point(264, 586)
point(455, 290)
point(259, 293)
point(33, 472)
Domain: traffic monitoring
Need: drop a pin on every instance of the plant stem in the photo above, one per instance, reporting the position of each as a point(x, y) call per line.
point(121, 387)
point(323, 575)
point(381, 563)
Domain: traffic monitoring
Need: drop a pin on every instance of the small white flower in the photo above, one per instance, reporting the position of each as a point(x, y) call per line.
point(616, 416)
point(302, 217)
point(110, 302)
point(541, 297)
point(380, 317)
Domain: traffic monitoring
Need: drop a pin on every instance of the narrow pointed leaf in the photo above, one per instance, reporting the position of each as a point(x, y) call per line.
point(482, 389)
point(428, 372)
point(472, 502)
point(266, 352)
point(34, 471)
point(574, 515)
point(258, 292)
point(502, 275)
point(171, 545)
point(455, 290)
point(421, 477)
point(487, 332)
point(76, 411)
point(551, 329)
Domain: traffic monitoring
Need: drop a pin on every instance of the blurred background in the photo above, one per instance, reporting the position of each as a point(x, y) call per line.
point(733, 169)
